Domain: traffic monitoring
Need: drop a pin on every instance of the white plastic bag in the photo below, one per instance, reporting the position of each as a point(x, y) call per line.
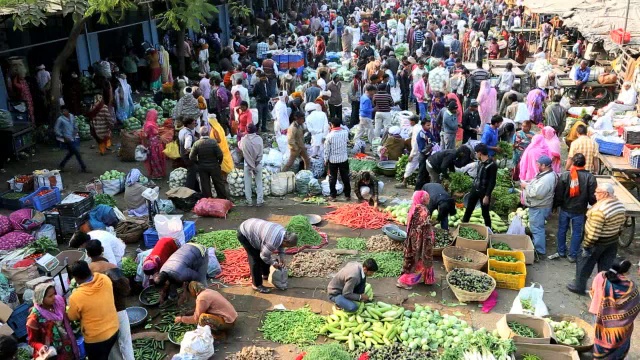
point(46, 230)
point(516, 227)
point(326, 190)
point(113, 187)
point(283, 183)
point(141, 153)
point(532, 295)
point(281, 140)
point(198, 343)
point(170, 226)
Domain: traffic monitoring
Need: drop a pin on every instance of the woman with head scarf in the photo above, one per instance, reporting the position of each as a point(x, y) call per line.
point(530, 156)
point(454, 97)
point(234, 104)
point(487, 102)
point(155, 79)
point(124, 101)
point(136, 204)
point(160, 253)
point(393, 145)
point(615, 304)
point(418, 247)
point(554, 147)
point(280, 114)
point(212, 309)
point(49, 326)
point(155, 163)
point(535, 101)
point(101, 122)
point(167, 76)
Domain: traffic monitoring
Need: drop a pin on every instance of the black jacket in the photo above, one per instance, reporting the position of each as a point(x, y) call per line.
point(437, 51)
point(470, 121)
point(578, 204)
point(443, 161)
point(485, 180)
point(437, 195)
point(261, 92)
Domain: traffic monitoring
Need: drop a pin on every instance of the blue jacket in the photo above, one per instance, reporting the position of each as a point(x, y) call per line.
point(582, 75)
point(66, 128)
point(490, 138)
point(186, 263)
point(366, 107)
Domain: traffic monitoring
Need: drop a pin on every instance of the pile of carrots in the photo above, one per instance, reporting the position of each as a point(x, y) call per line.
point(235, 267)
point(358, 216)
point(44, 192)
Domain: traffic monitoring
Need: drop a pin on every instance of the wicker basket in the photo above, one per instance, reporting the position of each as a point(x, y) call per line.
point(450, 253)
point(586, 344)
point(466, 296)
point(438, 251)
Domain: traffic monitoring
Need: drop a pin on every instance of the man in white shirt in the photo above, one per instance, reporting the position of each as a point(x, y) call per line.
point(244, 92)
point(205, 86)
point(517, 22)
point(318, 126)
point(506, 81)
point(113, 247)
point(626, 100)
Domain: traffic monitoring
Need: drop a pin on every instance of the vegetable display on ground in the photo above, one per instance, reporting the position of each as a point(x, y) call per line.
point(129, 267)
point(253, 353)
point(470, 233)
point(177, 331)
point(522, 330)
point(307, 235)
point(401, 165)
point(399, 212)
point(507, 150)
point(104, 199)
point(389, 263)
point(44, 245)
point(397, 351)
point(314, 264)
point(299, 327)
point(362, 165)
point(567, 332)
point(351, 243)
point(235, 267)
point(470, 282)
point(443, 239)
point(358, 216)
point(148, 349)
point(330, 351)
point(382, 243)
point(460, 183)
point(220, 240)
point(503, 178)
point(505, 200)
point(480, 345)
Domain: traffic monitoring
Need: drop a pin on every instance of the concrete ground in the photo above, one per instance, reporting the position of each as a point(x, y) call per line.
point(552, 275)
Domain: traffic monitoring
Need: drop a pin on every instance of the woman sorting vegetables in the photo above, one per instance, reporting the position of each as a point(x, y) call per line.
point(48, 325)
point(162, 250)
point(136, 204)
point(615, 304)
point(211, 309)
point(418, 248)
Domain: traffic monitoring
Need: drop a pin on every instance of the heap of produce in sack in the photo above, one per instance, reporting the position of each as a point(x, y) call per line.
point(177, 178)
point(112, 175)
point(401, 165)
point(132, 124)
point(84, 130)
point(523, 213)
point(399, 212)
point(567, 332)
point(236, 182)
point(168, 105)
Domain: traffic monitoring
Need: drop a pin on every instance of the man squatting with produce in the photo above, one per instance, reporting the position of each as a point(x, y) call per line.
point(483, 184)
point(261, 238)
point(538, 196)
point(441, 204)
point(189, 263)
point(348, 285)
point(367, 187)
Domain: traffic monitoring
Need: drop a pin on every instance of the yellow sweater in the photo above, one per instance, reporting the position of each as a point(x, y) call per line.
point(92, 303)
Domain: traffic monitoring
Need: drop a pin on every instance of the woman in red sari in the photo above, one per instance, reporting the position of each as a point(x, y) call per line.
point(155, 162)
point(522, 50)
point(418, 247)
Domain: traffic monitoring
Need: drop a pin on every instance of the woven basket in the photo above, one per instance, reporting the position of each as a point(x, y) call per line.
point(466, 296)
point(450, 253)
point(438, 251)
point(587, 342)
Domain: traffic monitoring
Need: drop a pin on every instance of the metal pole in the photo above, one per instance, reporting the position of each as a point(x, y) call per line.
point(626, 18)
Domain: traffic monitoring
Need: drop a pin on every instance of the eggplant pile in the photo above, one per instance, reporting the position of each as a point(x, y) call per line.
point(470, 282)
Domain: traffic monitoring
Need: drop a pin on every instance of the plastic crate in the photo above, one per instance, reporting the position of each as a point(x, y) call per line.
point(631, 134)
point(150, 236)
point(516, 254)
point(609, 148)
point(619, 36)
point(634, 161)
point(626, 151)
point(42, 202)
point(12, 204)
point(78, 208)
point(71, 224)
point(508, 281)
point(18, 320)
point(53, 218)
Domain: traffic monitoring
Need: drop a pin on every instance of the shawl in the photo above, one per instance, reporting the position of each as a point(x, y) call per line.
point(58, 313)
point(487, 102)
point(535, 98)
point(252, 150)
point(234, 103)
point(553, 143)
point(418, 199)
point(187, 107)
point(217, 133)
point(618, 308)
point(133, 177)
point(151, 124)
point(530, 156)
point(454, 97)
point(124, 101)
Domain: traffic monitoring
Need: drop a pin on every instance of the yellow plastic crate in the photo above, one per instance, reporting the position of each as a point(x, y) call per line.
point(515, 253)
point(508, 281)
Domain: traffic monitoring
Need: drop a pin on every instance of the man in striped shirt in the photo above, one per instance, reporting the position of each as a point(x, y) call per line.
point(418, 37)
point(261, 49)
point(261, 238)
point(602, 229)
point(382, 102)
point(336, 158)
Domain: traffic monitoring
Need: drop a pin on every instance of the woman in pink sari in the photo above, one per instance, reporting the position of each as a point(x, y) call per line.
point(418, 247)
point(155, 162)
point(530, 156)
point(234, 104)
point(487, 102)
point(454, 97)
point(553, 143)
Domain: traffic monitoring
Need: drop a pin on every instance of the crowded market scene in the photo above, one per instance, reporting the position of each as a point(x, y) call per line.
point(332, 180)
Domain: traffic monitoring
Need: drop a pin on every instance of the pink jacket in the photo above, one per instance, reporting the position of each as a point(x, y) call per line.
point(419, 91)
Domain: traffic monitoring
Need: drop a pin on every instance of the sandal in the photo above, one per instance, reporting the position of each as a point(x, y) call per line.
point(261, 289)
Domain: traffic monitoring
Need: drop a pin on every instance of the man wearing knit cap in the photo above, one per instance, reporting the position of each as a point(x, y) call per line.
point(538, 196)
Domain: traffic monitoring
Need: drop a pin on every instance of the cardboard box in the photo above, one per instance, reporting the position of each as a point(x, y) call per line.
point(538, 325)
point(5, 313)
point(478, 245)
point(517, 242)
point(555, 352)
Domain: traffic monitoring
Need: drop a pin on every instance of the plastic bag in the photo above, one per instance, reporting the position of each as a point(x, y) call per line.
point(516, 227)
point(281, 140)
point(165, 206)
point(48, 231)
point(302, 181)
point(26, 219)
point(214, 268)
point(170, 226)
point(325, 187)
point(279, 278)
point(533, 296)
point(141, 153)
point(198, 343)
point(171, 150)
point(113, 187)
point(314, 187)
point(213, 207)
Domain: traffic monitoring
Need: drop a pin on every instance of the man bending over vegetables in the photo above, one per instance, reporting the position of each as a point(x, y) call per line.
point(261, 238)
point(367, 187)
point(348, 285)
point(440, 201)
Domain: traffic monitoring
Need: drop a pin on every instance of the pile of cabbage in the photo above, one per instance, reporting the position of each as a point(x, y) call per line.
point(177, 178)
point(168, 105)
point(84, 131)
point(146, 104)
point(112, 175)
point(236, 182)
point(132, 124)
